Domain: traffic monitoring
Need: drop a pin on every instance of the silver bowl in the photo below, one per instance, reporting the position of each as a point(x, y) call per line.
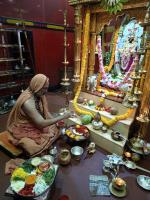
point(77, 152)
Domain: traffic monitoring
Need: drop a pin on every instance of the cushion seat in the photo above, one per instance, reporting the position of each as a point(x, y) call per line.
point(7, 145)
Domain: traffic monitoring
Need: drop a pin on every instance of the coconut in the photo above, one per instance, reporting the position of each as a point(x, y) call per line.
point(86, 119)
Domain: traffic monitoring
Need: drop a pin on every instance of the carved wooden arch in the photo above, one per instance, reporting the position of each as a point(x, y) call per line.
point(105, 18)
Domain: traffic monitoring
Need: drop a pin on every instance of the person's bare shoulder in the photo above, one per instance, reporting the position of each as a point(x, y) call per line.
point(31, 111)
point(29, 107)
point(29, 104)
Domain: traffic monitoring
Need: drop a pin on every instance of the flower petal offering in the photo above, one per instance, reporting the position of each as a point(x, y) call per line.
point(33, 177)
point(36, 161)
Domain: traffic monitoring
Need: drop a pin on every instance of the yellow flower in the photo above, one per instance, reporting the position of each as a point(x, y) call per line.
point(105, 120)
point(109, 67)
point(20, 173)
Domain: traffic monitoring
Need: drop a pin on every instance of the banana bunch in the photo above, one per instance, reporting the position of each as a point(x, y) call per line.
point(113, 6)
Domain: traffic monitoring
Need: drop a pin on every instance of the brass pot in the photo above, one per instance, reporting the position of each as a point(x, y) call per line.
point(64, 157)
point(119, 183)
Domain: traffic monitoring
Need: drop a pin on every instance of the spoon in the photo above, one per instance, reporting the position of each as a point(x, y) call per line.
point(132, 165)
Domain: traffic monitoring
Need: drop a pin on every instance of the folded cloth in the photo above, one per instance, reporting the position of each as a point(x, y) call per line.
point(12, 164)
point(99, 185)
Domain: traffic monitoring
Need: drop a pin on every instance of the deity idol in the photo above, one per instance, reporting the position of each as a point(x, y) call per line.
point(128, 43)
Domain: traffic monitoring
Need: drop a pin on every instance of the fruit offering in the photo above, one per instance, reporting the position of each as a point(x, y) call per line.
point(77, 132)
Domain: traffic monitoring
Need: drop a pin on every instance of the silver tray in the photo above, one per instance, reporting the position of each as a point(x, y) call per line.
point(31, 197)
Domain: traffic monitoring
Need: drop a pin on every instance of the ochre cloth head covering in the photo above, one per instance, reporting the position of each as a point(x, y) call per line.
point(36, 83)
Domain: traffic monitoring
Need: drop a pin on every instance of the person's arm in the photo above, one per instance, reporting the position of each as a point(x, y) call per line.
point(31, 111)
point(50, 116)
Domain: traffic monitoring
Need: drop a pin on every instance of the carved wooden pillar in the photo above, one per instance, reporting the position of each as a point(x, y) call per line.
point(92, 45)
point(87, 58)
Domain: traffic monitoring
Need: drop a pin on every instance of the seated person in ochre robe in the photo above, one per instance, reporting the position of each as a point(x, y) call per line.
point(30, 125)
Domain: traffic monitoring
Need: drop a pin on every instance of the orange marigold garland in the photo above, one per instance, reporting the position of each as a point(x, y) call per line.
point(106, 121)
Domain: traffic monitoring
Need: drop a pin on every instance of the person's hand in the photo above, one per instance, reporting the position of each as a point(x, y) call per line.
point(67, 115)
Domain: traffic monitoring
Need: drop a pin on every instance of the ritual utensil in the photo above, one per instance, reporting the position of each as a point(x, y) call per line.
point(76, 78)
point(137, 144)
point(77, 152)
point(64, 157)
point(53, 152)
point(118, 187)
point(65, 80)
point(144, 181)
point(132, 165)
point(142, 73)
point(85, 102)
point(134, 96)
point(12, 101)
point(104, 129)
point(16, 67)
point(118, 183)
point(97, 123)
point(112, 165)
point(117, 136)
point(127, 154)
point(143, 118)
point(111, 168)
point(91, 149)
point(27, 68)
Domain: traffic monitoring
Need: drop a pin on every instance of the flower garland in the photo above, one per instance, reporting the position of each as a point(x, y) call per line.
point(83, 63)
point(83, 66)
point(109, 67)
point(100, 58)
point(107, 92)
point(126, 61)
point(102, 73)
point(102, 70)
point(111, 122)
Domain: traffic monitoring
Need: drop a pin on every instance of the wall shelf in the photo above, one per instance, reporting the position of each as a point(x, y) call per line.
point(9, 59)
point(8, 30)
point(16, 64)
point(9, 85)
point(12, 72)
point(9, 45)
